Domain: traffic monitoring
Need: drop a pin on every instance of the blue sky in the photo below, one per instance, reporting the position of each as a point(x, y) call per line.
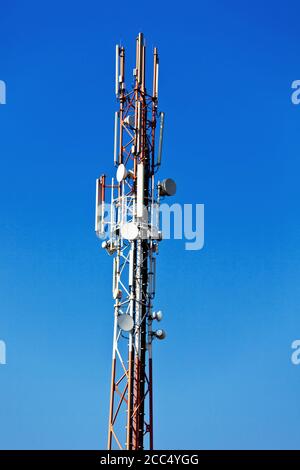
point(223, 378)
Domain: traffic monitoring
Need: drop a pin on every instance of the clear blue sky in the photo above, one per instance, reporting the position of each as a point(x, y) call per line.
point(223, 378)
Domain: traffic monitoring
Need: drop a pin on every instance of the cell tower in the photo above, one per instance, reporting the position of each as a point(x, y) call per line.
point(132, 222)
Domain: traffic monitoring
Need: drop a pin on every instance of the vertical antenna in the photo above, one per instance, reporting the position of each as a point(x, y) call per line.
point(117, 69)
point(161, 137)
point(100, 206)
point(122, 68)
point(155, 73)
point(139, 58)
point(116, 138)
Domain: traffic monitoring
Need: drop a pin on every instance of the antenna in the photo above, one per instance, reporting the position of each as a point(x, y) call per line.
point(117, 68)
point(116, 138)
point(100, 206)
point(161, 137)
point(134, 235)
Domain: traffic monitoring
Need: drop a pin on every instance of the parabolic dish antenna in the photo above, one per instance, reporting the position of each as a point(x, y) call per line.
point(168, 187)
point(125, 322)
point(130, 231)
point(121, 173)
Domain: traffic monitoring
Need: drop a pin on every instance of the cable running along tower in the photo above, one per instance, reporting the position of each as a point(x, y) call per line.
point(131, 227)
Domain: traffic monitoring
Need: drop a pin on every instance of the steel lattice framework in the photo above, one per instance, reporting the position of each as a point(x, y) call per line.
point(133, 226)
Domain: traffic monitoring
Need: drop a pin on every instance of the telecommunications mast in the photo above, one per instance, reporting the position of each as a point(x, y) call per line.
point(133, 237)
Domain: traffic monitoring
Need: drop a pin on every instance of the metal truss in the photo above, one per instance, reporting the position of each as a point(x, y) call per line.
point(134, 235)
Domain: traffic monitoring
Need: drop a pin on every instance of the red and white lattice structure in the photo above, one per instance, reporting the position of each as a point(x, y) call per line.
point(133, 228)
